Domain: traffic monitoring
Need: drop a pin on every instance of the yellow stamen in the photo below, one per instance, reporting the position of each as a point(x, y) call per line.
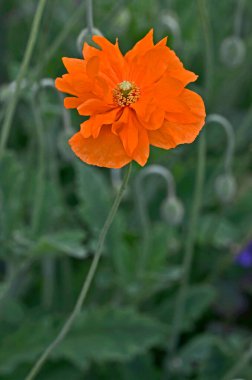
point(126, 93)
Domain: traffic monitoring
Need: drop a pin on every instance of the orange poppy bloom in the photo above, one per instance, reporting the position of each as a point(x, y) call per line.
point(132, 101)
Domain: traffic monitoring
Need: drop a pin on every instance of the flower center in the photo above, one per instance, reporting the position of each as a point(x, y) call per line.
point(126, 93)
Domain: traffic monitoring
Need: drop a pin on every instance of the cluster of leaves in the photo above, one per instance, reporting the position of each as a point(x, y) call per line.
point(52, 208)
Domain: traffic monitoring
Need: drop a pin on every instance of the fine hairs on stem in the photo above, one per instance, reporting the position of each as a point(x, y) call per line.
point(86, 284)
point(22, 72)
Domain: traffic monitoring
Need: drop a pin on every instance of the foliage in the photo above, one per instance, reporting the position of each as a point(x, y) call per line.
point(52, 208)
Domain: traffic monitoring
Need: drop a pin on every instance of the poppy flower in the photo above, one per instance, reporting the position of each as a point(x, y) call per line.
point(132, 101)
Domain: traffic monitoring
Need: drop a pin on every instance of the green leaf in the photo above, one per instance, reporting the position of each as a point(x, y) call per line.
point(109, 334)
point(98, 335)
point(11, 192)
point(93, 194)
point(68, 242)
point(25, 344)
point(196, 354)
point(198, 300)
point(219, 232)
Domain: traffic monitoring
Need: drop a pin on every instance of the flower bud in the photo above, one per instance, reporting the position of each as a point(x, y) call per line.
point(85, 36)
point(233, 51)
point(122, 19)
point(172, 211)
point(225, 187)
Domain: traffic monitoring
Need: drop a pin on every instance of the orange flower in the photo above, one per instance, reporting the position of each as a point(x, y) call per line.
point(132, 101)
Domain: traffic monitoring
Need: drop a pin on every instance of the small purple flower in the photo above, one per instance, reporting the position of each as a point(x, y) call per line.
point(244, 257)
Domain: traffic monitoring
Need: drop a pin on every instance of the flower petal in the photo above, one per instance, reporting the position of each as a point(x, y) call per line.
point(74, 65)
point(92, 126)
point(141, 47)
point(172, 134)
point(93, 67)
point(115, 60)
point(93, 106)
point(142, 151)
point(71, 102)
point(194, 102)
point(106, 150)
point(128, 131)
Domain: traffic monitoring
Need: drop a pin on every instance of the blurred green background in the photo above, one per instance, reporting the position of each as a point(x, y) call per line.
point(52, 206)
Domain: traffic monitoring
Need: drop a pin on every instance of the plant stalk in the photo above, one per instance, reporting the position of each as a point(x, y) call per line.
point(86, 284)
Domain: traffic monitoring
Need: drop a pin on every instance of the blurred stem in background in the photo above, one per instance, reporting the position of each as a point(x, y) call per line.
point(87, 283)
point(47, 267)
point(48, 263)
point(189, 247)
point(68, 28)
point(209, 58)
point(229, 130)
point(241, 363)
point(40, 180)
point(22, 72)
point(142, 206)
point(190, 240)
point(90, 23)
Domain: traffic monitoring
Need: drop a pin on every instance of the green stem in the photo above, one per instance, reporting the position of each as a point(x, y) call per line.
point(22, 72)
point(40, 185)
point(241, 363)
point(90, 23)
point(68, 28)
point(209, 59)
point(86, 285)
point(189, 246)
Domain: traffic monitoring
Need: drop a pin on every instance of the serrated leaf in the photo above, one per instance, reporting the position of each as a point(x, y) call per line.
point(98, 335)
point(68, 242)
point(109, 334)
point(196, 354)
point(25, 344)
point(198, 300)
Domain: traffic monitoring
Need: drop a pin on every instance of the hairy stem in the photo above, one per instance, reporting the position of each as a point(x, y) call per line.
point(86, 284)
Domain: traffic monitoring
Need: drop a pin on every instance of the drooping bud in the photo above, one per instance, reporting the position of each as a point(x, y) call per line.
point(172, 211)
point(85, 36)
point(225, 187)
point(233, 51)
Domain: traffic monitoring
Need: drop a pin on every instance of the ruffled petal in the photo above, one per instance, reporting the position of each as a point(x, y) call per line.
point(106, 150)
point(128, 131)
point(150, 67)
point(141, 47)
point(71, 102)
point(112, 59)
point(93, 106)
point(181, 127)
point(93, 125)
point(162, 137)
point(74, 65)
point(142, 151)
point(194, 102)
